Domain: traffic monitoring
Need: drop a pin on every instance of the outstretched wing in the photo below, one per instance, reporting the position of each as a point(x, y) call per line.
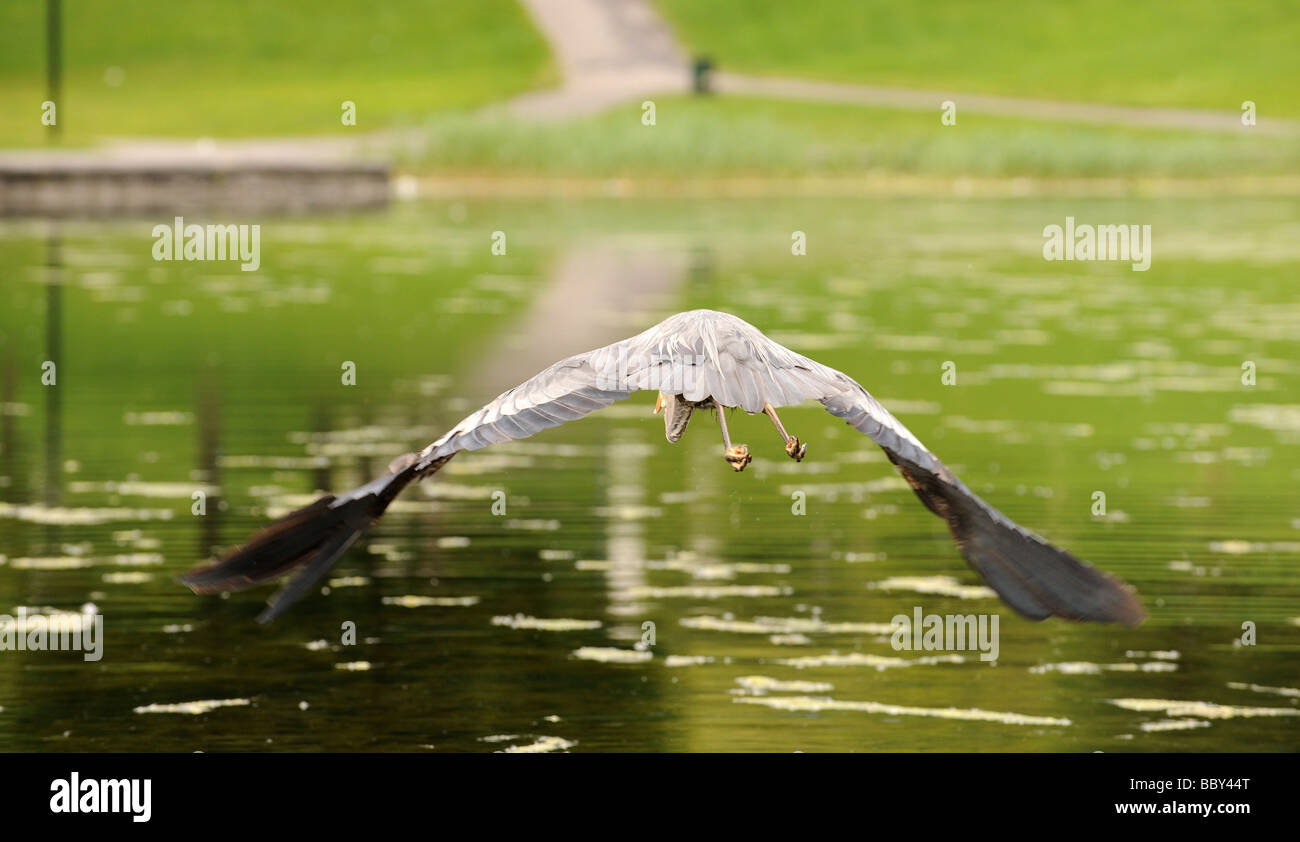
point(566, 391)
point(1034, 577)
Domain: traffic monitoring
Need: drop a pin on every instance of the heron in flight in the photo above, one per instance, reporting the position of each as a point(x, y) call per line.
point(700, 359)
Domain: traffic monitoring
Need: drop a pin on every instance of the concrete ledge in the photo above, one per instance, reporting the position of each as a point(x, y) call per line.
point(87, 185)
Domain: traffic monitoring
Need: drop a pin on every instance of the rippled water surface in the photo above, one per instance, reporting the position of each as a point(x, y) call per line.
point(522, 629)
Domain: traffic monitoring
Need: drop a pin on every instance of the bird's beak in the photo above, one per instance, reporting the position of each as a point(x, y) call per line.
point(677, 414)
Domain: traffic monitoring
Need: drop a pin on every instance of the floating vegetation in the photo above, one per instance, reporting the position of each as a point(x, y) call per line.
point(808, 704)
point(50, 563)
point(1174, 725)
point(678, 497)
point(62, 516)
point(135, 488)
point(28, 618)
point(132, 559)
point(136, 540)
point(193, 708)
point(762, 684)
point(499, 738)
point(629, 512)
point(1089, 668)
point(726, 570)
point(1204, 710)
point(939, 585)
point(688, 564)
point(1184, 566)
point(533, 524)
point(704, 591)
point(349, 582)
point(1276, 417)
point(520, 621)
point(282, 463)
point(1290, 692)
point(861, 659)
point(158, 419)
point(410, 601)
point(74, 562)
point(1154, 654)
point(612, 655)
point(389, 552)
point(127, 578)
point(1238, 547)
point(783, 625)
point(541, 745)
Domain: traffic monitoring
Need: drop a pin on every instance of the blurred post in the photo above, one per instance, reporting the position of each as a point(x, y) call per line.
point(54, 63)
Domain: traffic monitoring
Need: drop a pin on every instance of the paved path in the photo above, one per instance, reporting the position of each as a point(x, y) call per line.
point(620, 51)
point(609, 51)
point(1001, 106)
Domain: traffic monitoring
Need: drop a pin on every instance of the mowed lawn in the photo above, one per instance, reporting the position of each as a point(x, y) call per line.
point(1183, 53)
point(702, 136)
point(245, 68)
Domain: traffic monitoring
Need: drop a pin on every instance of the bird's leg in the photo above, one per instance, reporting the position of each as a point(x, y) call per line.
point(793, 448)
point(738, 456)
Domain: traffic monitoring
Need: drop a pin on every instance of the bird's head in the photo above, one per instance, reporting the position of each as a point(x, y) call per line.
point(677, 414)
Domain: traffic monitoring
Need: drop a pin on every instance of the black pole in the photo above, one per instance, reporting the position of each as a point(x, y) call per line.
point(54, 62)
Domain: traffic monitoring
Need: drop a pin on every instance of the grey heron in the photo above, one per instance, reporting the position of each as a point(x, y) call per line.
point(696, 359)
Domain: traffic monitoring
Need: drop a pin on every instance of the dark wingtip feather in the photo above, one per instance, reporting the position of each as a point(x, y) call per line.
point(1034, 577)
point(270, 553)
point(313, 538)
point(297, 587)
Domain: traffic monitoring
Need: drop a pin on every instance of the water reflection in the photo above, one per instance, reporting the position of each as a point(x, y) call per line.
point(53, 481)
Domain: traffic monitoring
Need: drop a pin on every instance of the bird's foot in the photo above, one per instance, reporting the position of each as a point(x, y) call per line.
point(795, 450)
point(738, 457)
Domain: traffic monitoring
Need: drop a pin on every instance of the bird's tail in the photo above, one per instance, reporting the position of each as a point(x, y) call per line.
point(310, 540)
point(1034, 577)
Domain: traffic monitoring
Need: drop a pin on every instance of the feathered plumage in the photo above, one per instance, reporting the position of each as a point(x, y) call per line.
point(695, 356)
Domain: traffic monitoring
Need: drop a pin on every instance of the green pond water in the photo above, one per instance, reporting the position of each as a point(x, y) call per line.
point(1072, 379)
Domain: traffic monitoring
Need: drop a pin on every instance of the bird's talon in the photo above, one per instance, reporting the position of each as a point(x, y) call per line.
point(738, 457)
point(795, 450)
